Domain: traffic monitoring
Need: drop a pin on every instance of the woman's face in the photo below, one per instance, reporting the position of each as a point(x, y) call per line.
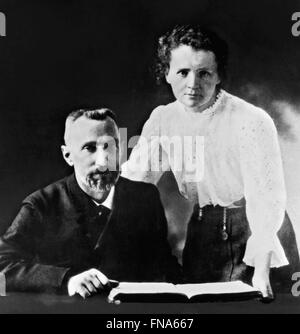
point(193, 77)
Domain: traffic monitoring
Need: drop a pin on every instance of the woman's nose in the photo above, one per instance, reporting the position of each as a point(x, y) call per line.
point(193, 80)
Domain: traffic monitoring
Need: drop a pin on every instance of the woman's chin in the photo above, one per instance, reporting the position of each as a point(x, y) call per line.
point(194, 104)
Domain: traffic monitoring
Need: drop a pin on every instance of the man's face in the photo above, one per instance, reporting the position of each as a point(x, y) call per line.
point(193, 77)
point(92, 148)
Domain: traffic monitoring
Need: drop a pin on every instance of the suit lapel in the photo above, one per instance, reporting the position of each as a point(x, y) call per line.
point(86, 210)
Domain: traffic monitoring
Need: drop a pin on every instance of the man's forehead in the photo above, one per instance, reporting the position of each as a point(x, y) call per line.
point(85, 129)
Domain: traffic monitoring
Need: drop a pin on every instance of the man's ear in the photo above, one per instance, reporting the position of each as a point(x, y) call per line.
point(67, 154)
point(121, 151)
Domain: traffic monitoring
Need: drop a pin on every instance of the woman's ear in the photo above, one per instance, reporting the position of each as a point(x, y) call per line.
point(167, 76)
point(67, 154)
point(218, 79)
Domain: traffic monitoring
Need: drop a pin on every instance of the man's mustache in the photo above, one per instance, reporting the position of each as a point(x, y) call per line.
point(99, 172)
point(104, 170)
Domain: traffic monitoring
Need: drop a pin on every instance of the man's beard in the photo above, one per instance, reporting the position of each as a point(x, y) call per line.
point(102, 181)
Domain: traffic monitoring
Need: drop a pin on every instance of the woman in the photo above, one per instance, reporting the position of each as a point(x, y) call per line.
point(232, 177)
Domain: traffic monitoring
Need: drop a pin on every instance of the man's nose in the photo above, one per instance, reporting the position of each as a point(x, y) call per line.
point(193, 80)
point(101, 159)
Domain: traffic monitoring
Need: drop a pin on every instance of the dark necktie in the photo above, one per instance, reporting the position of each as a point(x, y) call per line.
point(103, 211)
point(97, 224)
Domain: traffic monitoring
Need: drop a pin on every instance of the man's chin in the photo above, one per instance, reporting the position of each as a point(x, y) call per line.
point(101, 185)
point(101, 188)
point(99, 193)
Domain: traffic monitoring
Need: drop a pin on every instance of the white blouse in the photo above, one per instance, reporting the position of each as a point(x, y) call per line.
point(227, 152)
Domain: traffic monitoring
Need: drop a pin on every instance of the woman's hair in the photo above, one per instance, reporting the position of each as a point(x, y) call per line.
point(199, 39)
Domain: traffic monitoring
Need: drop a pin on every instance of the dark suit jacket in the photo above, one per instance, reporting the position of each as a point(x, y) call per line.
point(51, 237)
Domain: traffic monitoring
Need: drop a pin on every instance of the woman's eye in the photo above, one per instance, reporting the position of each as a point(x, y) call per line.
point(183, 73)
point(204, 74)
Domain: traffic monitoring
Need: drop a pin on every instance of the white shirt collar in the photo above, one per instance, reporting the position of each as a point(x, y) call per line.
point(108, 203)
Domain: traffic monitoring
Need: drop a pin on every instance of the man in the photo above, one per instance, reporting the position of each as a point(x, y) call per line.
point(78, 233)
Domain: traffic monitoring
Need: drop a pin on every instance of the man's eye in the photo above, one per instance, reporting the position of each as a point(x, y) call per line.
point(89, 148)
point(183, 73)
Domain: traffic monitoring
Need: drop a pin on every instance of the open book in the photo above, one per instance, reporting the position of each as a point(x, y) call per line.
point(168, 292)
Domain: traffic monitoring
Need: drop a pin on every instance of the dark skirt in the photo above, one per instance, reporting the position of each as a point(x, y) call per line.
point(209, 256)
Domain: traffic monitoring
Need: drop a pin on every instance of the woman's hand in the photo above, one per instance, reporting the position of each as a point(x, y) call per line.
point(261, 277)
point(261, 281)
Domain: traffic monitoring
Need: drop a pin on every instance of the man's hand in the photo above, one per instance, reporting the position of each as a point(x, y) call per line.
point(87, 283)
point(261, 277)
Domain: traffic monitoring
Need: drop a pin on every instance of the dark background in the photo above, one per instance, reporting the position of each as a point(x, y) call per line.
point(59, 55)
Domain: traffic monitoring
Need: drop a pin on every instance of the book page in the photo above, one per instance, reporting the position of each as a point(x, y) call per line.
point(142, 288)
point(233, 287)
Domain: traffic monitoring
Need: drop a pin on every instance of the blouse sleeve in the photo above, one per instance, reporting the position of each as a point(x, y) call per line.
point(264, 188)
point(148, 161)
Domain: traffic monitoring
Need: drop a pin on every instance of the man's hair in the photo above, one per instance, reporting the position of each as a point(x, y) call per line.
point(198, 38)
point(98, 114)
